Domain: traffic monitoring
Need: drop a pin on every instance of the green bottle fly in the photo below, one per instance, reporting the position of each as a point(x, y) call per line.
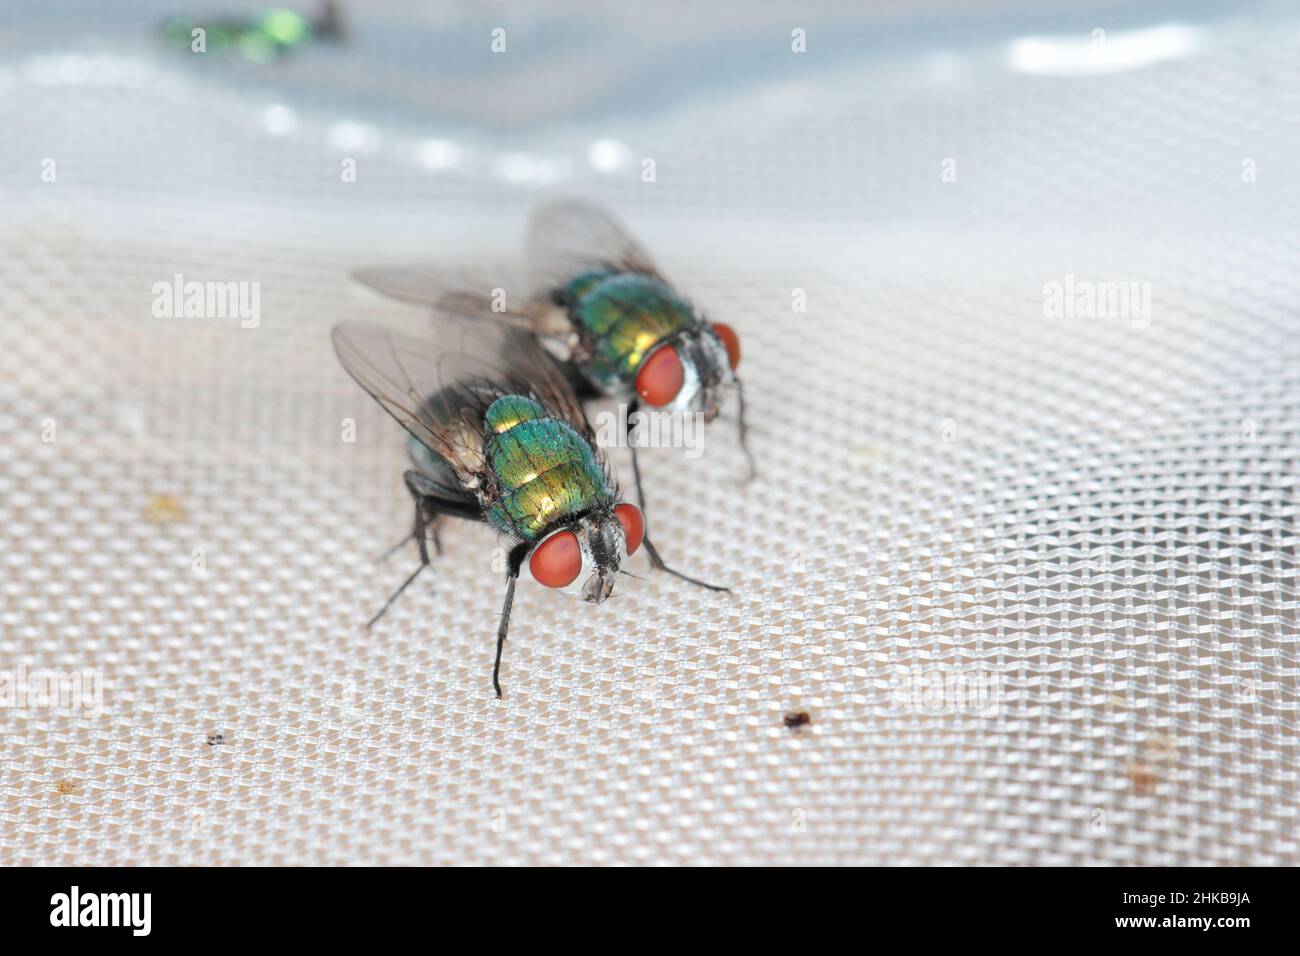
point(498, 437)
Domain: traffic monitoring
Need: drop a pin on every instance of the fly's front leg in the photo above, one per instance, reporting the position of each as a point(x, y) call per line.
point(517, 554)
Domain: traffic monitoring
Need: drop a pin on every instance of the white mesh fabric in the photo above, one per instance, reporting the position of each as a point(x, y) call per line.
point(1095, 515)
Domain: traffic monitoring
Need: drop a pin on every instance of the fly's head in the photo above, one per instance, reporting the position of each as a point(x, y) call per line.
point(688, 372)
point(584, 557)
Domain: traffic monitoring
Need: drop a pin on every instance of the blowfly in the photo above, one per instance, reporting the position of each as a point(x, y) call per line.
point(496, 434)
point(601, 308)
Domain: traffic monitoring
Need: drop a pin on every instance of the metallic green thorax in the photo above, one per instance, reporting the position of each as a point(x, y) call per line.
point(545, 470)
point(624, 315)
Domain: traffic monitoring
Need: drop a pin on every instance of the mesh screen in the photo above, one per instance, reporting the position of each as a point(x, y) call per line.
point(1030, 570)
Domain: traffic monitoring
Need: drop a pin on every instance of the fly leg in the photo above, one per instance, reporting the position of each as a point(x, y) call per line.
point(743, 433)
point(393, 550)
point(426, 517)
point(636, 466)
point(658, 562)
point(512, 574)
point(395, 595)
point(430, 523)
point(655, 560)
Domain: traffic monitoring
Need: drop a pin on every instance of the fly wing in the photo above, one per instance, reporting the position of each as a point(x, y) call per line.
point(402, 373)
point(569, 237)
point(436, 287)
point(439, 388)
point(521, 363)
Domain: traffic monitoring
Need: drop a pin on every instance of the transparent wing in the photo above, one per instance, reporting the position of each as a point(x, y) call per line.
point(435, 287)
point(568, 237)
point(400, 372)
point(439, 388)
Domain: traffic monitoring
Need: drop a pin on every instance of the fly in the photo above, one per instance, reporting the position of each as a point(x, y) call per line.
point(602, 308)
point(261, 37)
point(495, 434)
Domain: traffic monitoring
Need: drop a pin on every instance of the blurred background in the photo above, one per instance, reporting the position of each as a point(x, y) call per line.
point(1085, 513)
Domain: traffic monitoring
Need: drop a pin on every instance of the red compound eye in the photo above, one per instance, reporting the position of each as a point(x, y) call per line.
point(629, 516)
point(557, 560)
point(731, 340)
point(661, 377)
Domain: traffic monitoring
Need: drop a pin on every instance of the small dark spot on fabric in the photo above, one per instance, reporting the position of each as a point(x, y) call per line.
point(797, 718)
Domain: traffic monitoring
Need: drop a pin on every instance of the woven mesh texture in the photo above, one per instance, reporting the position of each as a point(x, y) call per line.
point(1033, 576)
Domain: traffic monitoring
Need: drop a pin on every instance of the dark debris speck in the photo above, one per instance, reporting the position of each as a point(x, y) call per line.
point(797, 718)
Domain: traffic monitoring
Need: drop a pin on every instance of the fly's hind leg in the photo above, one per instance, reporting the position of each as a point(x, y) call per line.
point(427, 523)
point(426, 517)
